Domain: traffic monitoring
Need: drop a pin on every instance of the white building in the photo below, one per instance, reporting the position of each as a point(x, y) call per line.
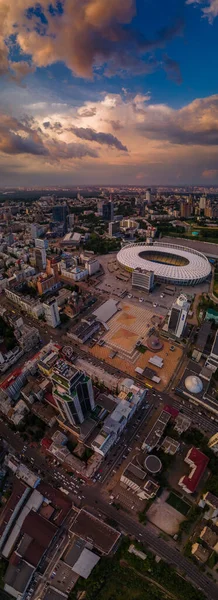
point(92, 266)
point(178, 316)
point(29, 305)
point(51, 312)
point(142, 279)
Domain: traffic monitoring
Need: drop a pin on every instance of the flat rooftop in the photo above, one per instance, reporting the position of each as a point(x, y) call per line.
point(93, 530)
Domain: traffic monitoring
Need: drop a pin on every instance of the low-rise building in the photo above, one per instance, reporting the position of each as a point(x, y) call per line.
point(199, 552)
point(101, 536)
point(170, 446)
point(198, 463)
point(209, 537)
point(136, 480)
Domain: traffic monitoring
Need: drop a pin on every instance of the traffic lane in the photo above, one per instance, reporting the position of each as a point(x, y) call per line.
point(158, 545)
point(187, 409)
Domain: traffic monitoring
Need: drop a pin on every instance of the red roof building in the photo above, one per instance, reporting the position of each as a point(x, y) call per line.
point(198, 463)
point(171, 410)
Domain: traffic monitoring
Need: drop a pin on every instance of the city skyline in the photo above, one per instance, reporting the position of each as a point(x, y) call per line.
point(124, 93)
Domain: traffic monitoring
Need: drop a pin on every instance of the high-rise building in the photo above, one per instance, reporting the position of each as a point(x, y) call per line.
point(113, 228)
point(178, 316)
point(142, 279)
point(202, 202)
point(148, 196)
point(40, 258)
point(186, 208)
point(51, 312)
point(60, 215)
point(106, 210)
point(73, 393)
point(71, 219)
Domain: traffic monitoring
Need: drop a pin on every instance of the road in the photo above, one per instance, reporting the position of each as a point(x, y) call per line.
point(90, 496)
point(157, 545)
point(203, 421)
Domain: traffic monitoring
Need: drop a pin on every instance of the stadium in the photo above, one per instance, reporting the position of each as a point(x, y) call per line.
point(170, 263)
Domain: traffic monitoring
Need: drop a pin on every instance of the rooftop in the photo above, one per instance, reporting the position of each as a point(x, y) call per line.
point(106, 311)
point(198, 462)
point(93, 530)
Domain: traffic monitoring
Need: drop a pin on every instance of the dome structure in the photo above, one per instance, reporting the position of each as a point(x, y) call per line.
point(193, 384)
point(153, 464)
point(154, 343)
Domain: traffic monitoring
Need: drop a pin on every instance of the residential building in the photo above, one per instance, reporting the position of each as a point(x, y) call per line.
point(51, 312)
point(209, 536)
point(28, 337)
point(178, 316)
point(40, 258)
point(73, 393)
point(199, 552)
point(142, 279)
point(154, 436)
point(47, 283)
point(29, 305)
point(198, 463)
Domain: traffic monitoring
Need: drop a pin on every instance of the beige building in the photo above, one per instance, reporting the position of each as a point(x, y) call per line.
point(199, 552)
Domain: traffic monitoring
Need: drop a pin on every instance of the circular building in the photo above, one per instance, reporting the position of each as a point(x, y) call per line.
point(154, 343)
point(153, 464)
point(170, 263)
point(193, 384)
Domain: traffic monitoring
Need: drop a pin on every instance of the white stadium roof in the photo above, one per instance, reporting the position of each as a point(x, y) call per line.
point(196, 270)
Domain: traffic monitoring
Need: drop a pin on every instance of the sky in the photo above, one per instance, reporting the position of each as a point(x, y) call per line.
point(108, 92)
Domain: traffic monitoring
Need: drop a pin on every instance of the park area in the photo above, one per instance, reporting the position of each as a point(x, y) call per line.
point(133, 577)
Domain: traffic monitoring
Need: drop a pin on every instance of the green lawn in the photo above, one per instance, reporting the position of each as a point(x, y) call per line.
point(178, 504)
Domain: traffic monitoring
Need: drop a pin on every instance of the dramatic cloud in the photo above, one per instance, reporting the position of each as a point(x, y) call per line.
point(85, 34)
point(102, 138)
point(87, 112)
point(209, 8)
point(17, 137)
point(195, 124)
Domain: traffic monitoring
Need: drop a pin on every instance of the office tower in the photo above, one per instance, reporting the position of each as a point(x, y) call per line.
point(73, 393)
point(106, 210)
point(60, 215)
point(51, 312)
point(40, 258)
point(178, 316)
point(143, 280)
